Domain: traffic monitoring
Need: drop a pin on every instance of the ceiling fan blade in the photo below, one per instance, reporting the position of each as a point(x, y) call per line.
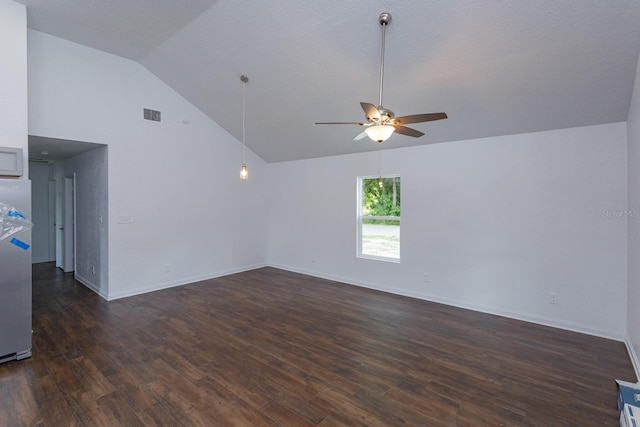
point(407, 131)
point(360, 136)
point(370, 110)
point(419, 118)
point(342, 123)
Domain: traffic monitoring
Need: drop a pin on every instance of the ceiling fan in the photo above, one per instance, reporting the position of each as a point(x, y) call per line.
point(382, 122)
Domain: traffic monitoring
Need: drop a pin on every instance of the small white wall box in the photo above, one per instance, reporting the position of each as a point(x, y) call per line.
point(629, 403)
point(10, 161)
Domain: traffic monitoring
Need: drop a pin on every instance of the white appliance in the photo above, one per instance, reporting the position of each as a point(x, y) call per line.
point(15, 273)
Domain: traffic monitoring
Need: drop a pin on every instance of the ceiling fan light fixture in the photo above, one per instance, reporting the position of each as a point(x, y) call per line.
point(380, 133)
point(382, 121)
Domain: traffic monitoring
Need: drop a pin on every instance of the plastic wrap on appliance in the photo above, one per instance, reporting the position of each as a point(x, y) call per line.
point(12, 221)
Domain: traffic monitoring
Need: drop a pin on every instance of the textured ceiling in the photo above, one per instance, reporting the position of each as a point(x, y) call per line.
point(495, 67)
point(129, 28)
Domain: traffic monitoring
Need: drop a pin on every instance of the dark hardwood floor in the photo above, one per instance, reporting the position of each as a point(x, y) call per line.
point(274, 348)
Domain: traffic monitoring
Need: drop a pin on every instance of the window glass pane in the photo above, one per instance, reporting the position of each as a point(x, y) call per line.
point(379, 218)
point(381, 196)
point(381, 238)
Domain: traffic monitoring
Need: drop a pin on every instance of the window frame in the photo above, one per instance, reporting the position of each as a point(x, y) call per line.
point(360, 218)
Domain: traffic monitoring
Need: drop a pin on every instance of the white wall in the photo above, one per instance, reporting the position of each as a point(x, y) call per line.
point(13, 78)
point(92, 212)
point(194, 218)
point(633, 301)
point(497, 223)
point(39, 175)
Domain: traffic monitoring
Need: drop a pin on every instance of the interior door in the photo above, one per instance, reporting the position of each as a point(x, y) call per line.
point(59, 222)
point(51, 226)
point(65, 223)
point(68, 263)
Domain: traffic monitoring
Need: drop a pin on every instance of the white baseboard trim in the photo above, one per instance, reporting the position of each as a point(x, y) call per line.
point(554, 323)
point(180, 282)
point(89, 284)
point(634, 357)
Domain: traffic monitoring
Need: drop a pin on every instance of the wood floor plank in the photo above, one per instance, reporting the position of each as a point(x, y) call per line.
point(284, 416)
point(160, 415)
point(22, 403)
point(273, 348)
point(93, 380)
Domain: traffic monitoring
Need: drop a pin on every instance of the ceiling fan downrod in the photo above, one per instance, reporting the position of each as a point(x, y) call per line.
point(384, 19)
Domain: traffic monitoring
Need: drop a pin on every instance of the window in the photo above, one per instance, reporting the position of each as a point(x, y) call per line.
point(379, 218)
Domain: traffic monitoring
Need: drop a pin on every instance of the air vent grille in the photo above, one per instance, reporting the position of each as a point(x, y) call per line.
point(153, 115)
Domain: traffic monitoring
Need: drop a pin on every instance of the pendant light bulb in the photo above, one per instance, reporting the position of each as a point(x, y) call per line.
point(244, 173)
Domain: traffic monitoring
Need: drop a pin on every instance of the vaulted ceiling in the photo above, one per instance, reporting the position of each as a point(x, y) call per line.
point(495, 67)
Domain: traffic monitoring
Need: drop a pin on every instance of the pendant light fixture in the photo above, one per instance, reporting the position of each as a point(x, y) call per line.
point(244, 173)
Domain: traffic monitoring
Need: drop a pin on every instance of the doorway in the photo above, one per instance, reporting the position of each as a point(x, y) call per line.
point(72, 176)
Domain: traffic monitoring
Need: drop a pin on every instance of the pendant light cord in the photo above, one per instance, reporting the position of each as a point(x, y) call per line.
point(244, 81)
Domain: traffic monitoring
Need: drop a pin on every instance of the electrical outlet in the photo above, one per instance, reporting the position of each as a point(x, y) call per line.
point(167, 268)
point(426, 278)
point(553, 298)
point(126, 220)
